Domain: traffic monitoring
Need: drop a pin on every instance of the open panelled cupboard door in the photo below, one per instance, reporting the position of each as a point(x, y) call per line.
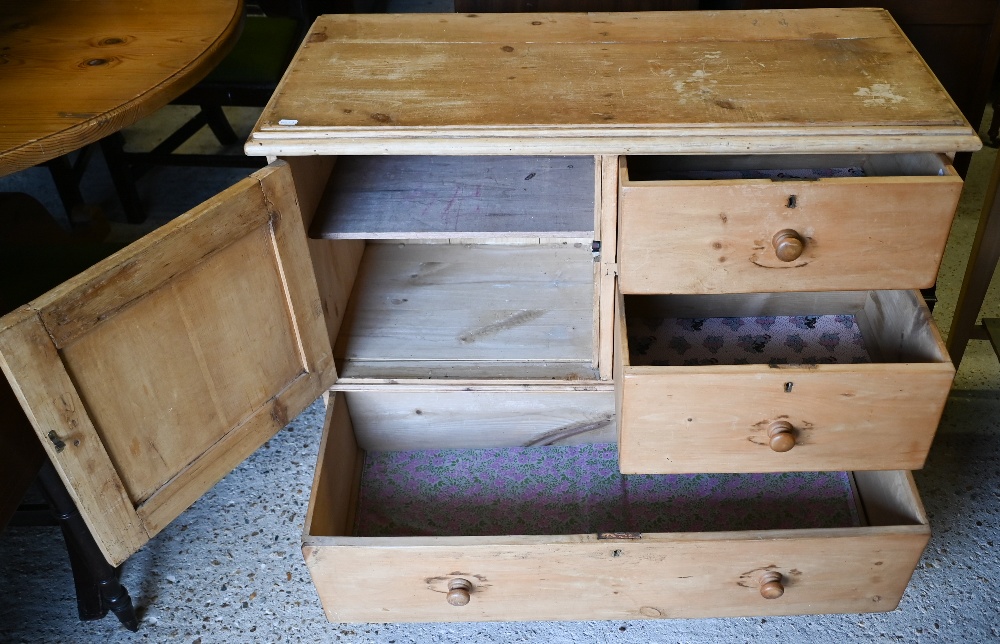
point(154, 373)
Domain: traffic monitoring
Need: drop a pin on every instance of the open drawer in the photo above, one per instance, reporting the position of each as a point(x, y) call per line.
point(751, 224)
point(778, 381)
point(547, 533)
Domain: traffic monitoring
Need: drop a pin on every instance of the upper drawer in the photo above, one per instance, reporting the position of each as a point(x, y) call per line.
point(793, 223)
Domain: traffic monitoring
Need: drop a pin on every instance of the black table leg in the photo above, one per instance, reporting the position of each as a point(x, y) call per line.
point(97, 587)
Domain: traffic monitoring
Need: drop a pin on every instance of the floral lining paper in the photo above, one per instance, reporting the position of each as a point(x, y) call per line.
point(803, 339)
point(578, 489)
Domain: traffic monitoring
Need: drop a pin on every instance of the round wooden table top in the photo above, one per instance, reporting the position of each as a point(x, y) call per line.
point(75, 71)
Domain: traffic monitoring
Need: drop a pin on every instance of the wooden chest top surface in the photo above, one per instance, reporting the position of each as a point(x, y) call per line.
point(820, 80)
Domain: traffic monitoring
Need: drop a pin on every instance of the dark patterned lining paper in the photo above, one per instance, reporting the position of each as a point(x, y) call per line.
point(790, 174)
point(807, 339)
point(578, 490)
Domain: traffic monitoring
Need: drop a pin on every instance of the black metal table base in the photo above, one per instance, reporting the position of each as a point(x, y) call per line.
point(98, 589)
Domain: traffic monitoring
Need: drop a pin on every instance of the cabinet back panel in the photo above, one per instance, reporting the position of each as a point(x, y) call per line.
point(480, 304)
point(377, 197)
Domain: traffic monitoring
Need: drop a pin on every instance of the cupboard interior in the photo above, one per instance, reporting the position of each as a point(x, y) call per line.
point(487, 499)
point(783, 167)
point(780, 328)
point(464, 267)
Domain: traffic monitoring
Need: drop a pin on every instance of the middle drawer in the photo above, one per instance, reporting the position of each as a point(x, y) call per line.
point(777, 382)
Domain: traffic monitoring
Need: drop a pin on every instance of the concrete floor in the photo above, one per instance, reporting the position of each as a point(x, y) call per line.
point(230, 568)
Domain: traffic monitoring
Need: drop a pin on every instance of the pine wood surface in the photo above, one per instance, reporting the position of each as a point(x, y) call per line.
point(457, 197)
point(454, 418)
point(585, 577)
point(823, 80)
point(75, 72)
point(864, 417)
point(164, 366)
point(482, 305)
point(716, 235)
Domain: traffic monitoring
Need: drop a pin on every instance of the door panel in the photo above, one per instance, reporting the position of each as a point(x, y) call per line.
point(151, 375)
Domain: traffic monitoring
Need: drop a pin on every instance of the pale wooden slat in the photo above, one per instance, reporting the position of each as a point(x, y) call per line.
point(608, 268)
point(900, 328)
point(598, 186)
point(467, 372)
point(337, 479)
point(477, 303)
point(610, 140)
point(715, 235)
point(49, 398)
point(890, 498)
point(456, 419)
point(446, 197)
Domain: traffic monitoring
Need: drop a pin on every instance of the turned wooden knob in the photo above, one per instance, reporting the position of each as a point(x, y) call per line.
point(781, 436)
point(788, 245)
point(770, 585)
point(459, 592)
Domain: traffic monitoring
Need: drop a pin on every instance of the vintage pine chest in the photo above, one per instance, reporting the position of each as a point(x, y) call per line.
point(616, 316)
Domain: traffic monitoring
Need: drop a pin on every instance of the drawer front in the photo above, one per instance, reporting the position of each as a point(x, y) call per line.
point(474, 576)
point(756, 419)
point(585, 577)
point(841, 412)
point(733, 236)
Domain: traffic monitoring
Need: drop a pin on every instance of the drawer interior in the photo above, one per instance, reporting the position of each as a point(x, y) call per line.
point(783, 167)
point(849, 327)
point(578, 489)
point(574, 490)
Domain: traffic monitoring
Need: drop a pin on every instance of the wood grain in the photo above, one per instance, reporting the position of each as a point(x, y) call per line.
point(49, 398)
point(448, 197)
point(707, 236)
point(666, 574)
point(608, 266)
point(193, 349)
point(643, 83)
point(478, 304)
point(337, 479)
point(335, 264)
point(75, 72)
point(863, 417)
point(388, 419)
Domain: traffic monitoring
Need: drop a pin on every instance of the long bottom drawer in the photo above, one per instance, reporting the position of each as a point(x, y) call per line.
point(564, 536)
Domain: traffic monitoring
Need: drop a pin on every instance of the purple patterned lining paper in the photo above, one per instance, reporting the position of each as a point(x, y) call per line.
point(807, 339)
point(577, 490)
point(804, 174)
